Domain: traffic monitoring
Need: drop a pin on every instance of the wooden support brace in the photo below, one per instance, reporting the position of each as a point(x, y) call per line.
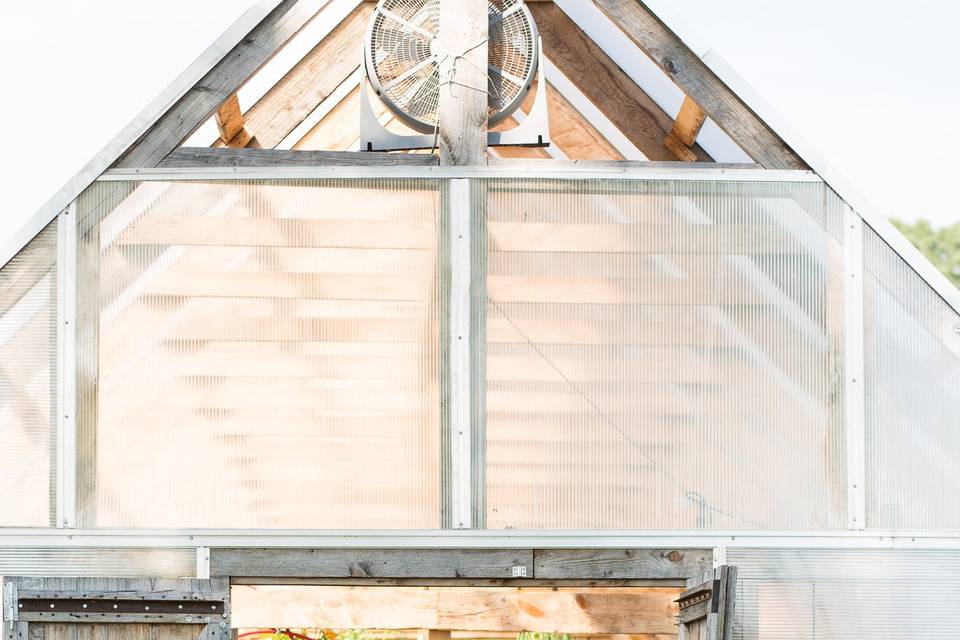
point(230, 123)
point(685, 130)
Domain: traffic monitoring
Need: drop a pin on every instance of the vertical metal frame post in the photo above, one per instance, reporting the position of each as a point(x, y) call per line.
point(853, 370)
point(66, 475)
point(459, 337)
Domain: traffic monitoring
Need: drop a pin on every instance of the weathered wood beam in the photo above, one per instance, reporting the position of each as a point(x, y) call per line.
point(230, 124)
point(226, 77)
point(309, 82)
point(440, 610)
point(192, 157)
point(462, 110)
point(685, 130)
point(373, 563)
point(696, 80)
point(613, 92)
point(621, 563)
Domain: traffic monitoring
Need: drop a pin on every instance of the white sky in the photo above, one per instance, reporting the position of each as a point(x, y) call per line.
point(873, 84)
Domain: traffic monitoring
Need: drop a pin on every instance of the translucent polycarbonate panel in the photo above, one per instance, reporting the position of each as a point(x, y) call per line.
point(664, 354)
point(97, 563)
point(912, 396)
point(266, 355)
point(28, 383)
point(837, 594)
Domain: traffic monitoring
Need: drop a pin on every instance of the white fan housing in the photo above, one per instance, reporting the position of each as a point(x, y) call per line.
point(402, 58)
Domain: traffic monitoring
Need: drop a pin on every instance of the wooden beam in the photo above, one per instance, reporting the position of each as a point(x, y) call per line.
point(230, 124)
point(440, 610)
point(462, 110)
point(226, 77)
point(689, 121)
point(685, 130)
point(613, 92)
point(621, 563)
point(191, 157)
point(371, 563)
point(310, 82)
point(696, 80)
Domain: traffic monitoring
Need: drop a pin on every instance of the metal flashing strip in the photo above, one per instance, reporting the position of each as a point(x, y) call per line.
point(476, 539)
point(561, 170)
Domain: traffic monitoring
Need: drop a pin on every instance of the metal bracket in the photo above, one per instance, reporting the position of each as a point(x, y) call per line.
point(10, 602)
point(533, 131)
point(51, 608)
point(698, 602)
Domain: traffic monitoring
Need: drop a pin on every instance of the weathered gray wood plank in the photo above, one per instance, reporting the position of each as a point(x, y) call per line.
point(696, 80)
point(204, 98)
point(193, 157)
point(643, 564)
point(374, 563)
point(462, 111)
point(728, 594)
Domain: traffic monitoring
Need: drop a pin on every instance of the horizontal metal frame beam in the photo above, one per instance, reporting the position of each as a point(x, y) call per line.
point(561, 170)
point(473, 539)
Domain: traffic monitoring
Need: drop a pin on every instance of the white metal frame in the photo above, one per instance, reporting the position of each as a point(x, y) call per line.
point(579, 171)
point(854, 390)
point(473, 539)
point(66, 475)
point(460, 357)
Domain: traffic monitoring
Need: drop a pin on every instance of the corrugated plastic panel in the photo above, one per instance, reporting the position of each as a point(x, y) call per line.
point(664, 355)
point(97, 563)
point(28, 383)
point(828, 594)
point(912, 396)
point(267, 355)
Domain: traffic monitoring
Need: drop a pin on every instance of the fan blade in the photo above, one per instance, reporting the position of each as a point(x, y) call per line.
point(406, 23)
point(506, 76)
point(406, 74)
point(412, 93)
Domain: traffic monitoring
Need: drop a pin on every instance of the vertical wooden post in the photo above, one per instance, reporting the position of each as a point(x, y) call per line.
point(462, 109)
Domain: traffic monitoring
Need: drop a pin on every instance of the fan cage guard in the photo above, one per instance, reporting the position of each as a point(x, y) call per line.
point(406, 77)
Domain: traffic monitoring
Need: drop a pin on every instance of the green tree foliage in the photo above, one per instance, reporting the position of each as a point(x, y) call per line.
point(941, 246)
